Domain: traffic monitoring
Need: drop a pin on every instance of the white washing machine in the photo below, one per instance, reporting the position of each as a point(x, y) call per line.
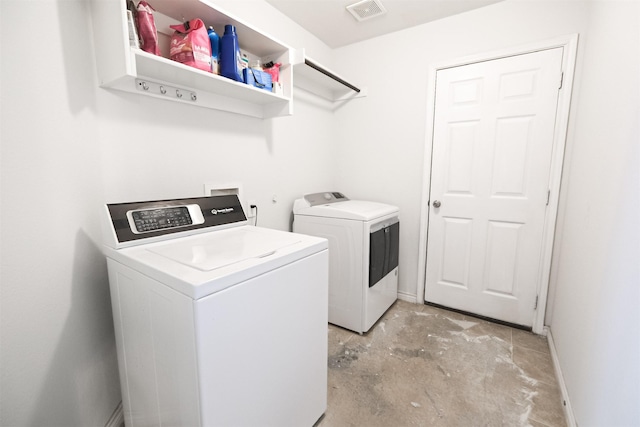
point(218, 323)
point(363, 254)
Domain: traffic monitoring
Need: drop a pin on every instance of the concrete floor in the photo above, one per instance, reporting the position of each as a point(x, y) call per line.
point(423, 366)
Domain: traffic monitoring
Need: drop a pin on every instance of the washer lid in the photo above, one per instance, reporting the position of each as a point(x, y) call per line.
point(352, 209)
point(203, 264)
point(206, 253)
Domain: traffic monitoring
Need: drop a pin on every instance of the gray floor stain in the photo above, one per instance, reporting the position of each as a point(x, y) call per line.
point(414, 352)
point(345, 357)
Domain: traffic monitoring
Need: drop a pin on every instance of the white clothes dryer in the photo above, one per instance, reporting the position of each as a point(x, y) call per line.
point(363, 254)
point(217, 322)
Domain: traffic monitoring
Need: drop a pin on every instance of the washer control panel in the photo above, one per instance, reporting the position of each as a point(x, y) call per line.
point(325, 198)
point(148, 220)
point(136, 222)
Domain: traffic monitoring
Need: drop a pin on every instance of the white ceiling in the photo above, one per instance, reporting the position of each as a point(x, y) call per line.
point(330, 21)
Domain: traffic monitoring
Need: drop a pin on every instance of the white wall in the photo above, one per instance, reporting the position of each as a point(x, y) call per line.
point(594, 317)
point(58, 364)
point(67, 148)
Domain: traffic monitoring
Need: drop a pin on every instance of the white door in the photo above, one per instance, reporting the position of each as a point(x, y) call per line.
point(492, 144)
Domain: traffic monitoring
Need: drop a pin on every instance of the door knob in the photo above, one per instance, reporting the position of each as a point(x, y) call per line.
point(436, 203)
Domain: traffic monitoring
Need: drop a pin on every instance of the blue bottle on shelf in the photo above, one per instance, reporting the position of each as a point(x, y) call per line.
point(214, 40)
point(230, 59)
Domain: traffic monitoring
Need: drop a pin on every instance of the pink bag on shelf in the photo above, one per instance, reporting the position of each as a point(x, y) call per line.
point(147, 28)
point(190, 45)
point(273, 70)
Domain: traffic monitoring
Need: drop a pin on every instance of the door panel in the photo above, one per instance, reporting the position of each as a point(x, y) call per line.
point(456, 248)
point(492, 144)
point(501, 262)
point(510, 159)
point(462, 140)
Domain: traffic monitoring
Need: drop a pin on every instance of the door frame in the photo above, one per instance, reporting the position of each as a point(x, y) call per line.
point(569, 43)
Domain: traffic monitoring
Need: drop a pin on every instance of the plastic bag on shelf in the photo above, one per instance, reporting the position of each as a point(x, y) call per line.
point(273, 70)
point(190, 45)
point(147, 28)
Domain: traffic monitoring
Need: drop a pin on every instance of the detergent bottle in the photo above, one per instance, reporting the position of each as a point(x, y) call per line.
point(214, 39)
point(230, 58)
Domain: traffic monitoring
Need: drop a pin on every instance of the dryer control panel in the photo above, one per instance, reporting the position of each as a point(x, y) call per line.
point(325, 198)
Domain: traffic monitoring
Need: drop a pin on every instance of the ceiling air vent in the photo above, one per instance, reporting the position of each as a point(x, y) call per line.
point(366, 9)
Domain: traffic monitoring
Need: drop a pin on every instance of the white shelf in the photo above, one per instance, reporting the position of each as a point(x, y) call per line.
point(310, 75)
point(123, 68)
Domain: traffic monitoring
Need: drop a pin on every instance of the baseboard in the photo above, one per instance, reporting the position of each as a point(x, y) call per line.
point(408, 297)
point(568, 411)
point(117, 418)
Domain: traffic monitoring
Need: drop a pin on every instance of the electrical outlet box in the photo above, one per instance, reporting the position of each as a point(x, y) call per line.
point(251, 212)
point(227, 188)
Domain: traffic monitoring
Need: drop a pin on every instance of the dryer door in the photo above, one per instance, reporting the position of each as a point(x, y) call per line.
point(383, 251)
